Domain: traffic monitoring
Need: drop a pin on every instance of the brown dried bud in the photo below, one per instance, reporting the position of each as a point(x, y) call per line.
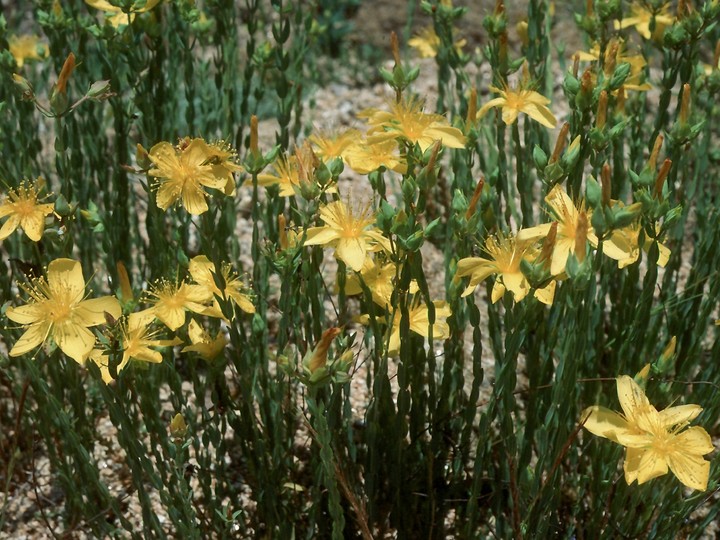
point(472, 207)
point(560, 143)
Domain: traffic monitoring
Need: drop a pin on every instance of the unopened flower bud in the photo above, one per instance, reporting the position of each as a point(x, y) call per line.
point(560, 143)
point(606, 184)
point(581, 232)
point(662, 175)
point(685, 104)
point(601, 110)
point(472, 207)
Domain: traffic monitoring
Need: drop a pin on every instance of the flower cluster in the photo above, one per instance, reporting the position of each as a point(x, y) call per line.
point(58, 309)
point(568, 234)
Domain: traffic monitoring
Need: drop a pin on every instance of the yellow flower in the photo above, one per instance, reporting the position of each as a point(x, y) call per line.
point(419, 323)
point(22, 210)
point(137, 344)
point(119, 16)
point(202, 343)
point(202, 271)
point(637, 63)
point(408, 121)
point(334, 146)
point(513, 102)
point(379, 277)
point(294, 173)
point(182, 173)
point(222, 159)
point(427, 43)
point(58, 309)
point(627, 240)
point(173, 299)
point(347, 233)
point(26, 47)
point(654, 441)
point(365, 156)
point(641, 17)
point(570, 219)
point(286, 176)
point(505, 255)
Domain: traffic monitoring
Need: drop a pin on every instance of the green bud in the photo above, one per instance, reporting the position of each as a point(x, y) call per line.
point(593, 192)
point(540, 157)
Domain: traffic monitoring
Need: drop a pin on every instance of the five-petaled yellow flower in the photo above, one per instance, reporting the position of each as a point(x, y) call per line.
point(138, 342)
point(505, 255)
point(172, 300)
point(513, 102)
point(183, 171)
point(572, 228)
point(202, 271)
point(58, 309)
point(406, 120)
point(420, 322)
point(351, 235)
point(22, 210)
point(26, 47)
point(654, 440)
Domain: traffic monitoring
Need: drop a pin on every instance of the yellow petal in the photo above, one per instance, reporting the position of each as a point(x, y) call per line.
point(652, 464)
point(318, 236)
point(193, 198)
point(693, 471)
point(74, 340)
point(27, 314)
point(34, 225)
point(547, 293)
point(541, 114)
point(604, 422)
point(92, 312)
point(516, 283)
point(498, 291)
point(672, 416)
point(32, 337)
point(632, 398)
point(631, 465)
point(66, 274)
point(352, 251)
point(173, 318)
point(9, 226)
point(694, 440)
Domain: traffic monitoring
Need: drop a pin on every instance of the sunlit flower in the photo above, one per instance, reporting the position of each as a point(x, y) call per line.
point(333, 146)
point(182, 173)
point(285, 177)
point(419, 322)
point(58, 309)
point(365, 156)
point(654, 441)
point(351, 235)
point(516, 101)
point(505, 253)
point(378, 277)
point(22, 209)
point(202, 271)
point(408, 121)
point(171, 301)
point(572, 228)
point(26, 47)
point(221, 157)
point(138, 343)
point(640, 18)
point(118, 16)
point(627, 240)
point(427, 43)
point(203, 343)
